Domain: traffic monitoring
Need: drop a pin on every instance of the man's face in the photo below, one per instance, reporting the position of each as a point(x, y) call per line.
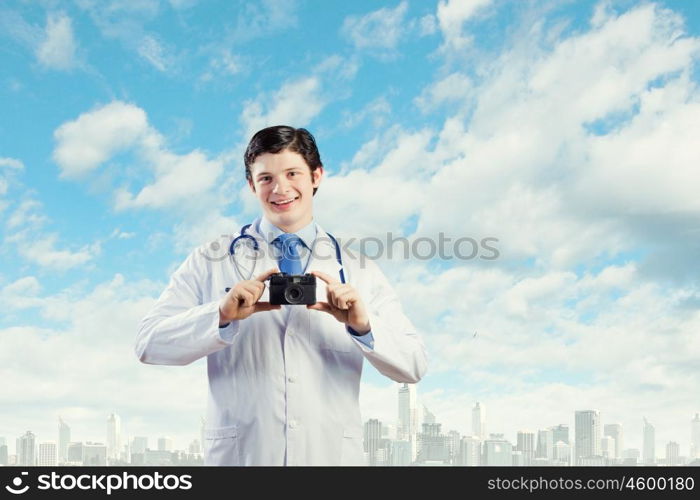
point(284, 184)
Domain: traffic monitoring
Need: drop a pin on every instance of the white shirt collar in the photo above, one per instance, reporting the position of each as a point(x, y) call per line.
point(269, 231)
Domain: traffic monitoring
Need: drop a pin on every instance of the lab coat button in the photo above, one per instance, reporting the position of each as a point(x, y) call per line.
point(291, 379)
point(292, 424)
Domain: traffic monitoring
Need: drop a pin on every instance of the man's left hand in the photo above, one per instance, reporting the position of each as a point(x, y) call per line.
point(343, 303)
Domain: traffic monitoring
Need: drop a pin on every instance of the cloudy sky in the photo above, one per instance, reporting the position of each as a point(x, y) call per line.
point(566, 130)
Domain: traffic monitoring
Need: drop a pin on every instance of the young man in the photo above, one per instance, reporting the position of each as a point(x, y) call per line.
point(283, 380)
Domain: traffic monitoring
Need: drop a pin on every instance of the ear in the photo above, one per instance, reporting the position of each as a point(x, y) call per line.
point(317, 176)
point(251, 185)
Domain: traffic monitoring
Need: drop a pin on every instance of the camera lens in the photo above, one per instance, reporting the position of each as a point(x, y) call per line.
point(294, 294)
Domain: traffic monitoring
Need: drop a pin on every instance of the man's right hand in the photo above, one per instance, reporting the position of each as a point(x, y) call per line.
point(242, 300)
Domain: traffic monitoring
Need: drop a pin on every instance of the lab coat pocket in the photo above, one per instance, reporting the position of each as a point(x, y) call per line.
point(352, 451)
point(221, 446)
point(329, 333)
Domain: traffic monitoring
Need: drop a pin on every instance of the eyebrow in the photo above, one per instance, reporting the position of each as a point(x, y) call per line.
point(285, 170)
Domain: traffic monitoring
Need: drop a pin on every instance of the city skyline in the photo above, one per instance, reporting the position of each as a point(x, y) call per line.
point(414, 437)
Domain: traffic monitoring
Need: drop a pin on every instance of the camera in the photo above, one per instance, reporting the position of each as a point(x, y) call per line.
point(293, 289)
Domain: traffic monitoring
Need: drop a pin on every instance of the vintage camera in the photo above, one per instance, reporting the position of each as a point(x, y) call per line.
point(294, 289)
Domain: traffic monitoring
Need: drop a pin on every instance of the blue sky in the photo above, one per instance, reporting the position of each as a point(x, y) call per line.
point(564, 129)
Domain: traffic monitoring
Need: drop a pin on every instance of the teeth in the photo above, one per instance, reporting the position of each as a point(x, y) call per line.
point(283, 202)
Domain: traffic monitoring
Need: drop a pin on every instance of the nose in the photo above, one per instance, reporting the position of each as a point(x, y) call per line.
point(281, 185)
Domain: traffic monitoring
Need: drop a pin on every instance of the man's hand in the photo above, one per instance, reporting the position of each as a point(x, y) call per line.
point(242, 300)
point(344, 304)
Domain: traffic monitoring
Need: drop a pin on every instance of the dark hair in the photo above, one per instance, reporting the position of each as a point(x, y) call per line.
point(282, 138)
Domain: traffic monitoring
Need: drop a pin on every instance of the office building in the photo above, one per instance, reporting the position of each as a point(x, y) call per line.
point(48, 454)
point(587, 436)
point(479, 421)
point(526, 446)
point(673, 454)
point(470, 451)
point(26, 449)
point(113, 437)
point(165, 444)
point(497, 451)
point(545, 445)
point(615, 431)
point(94, 454)
point(695, 436)
point(649, 447)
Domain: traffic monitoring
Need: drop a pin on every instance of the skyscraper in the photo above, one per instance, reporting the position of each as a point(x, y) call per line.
point(560, 433)
point(470, 451)
point(3, 452)
point(695, 436)
point(407, 424)
point(433, 444)
point(615, 431)
point(587, 434)
point(372, 439)
point(114, 439)
point(63, 440)
point(526, 446)
point(165, 444)
point(497, 451)
point(26, 449)
point(48, 454)
point(649, 448)
point(545, 444)
point(479, 421)
point(428, 417)
point(673, 453)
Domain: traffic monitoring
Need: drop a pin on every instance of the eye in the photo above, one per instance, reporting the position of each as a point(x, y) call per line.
point(264, 178)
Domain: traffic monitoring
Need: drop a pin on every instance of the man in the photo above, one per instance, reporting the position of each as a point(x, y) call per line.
point(283, 380)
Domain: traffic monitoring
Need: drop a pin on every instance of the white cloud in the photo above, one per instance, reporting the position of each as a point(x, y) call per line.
point(296, 103)
point(96, 136)
point(376, 112)
point(121, 235)
point(259, 19)
point(224, 63)
point(153, 51)
point(81, 365)
point(21, 294)
point(8, 168)
point(11, 163)
point(380, 30)
point(451, 16)
point(455, 87)
point(27, 215)
point(575, 154)
point(57, 50)
point(41, 250)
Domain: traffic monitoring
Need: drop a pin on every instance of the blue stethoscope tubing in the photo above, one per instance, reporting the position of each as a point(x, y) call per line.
point(256, 247)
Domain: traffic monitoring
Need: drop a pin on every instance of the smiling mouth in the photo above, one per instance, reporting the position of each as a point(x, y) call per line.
point(281, 203)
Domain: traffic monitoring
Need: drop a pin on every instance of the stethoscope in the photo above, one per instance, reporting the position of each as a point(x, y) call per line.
point(256, 248)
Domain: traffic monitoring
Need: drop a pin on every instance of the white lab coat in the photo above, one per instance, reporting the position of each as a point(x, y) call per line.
point(280, 392)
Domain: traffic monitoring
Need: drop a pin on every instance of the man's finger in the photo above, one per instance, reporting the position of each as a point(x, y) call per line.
point(321, 306)
point(266, 306)
point(267, 274)
point(254, 287)
point(328, 279)
point(245, 298)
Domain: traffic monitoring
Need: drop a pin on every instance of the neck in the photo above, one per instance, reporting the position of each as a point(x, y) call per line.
point(293, 228)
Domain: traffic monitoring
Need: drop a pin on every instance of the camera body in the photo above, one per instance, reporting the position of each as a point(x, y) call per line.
point(292, 289)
